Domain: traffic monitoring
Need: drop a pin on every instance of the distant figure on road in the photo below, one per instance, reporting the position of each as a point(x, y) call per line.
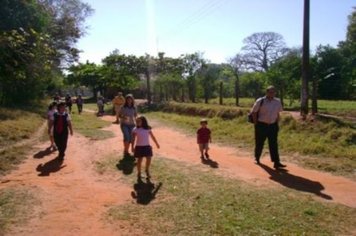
point(128, 116)
point(100, 103)
point(265, 113)
point(79, 101)
point(203, 140)
point(61, 122)
point(118, 101)
point(68, 100)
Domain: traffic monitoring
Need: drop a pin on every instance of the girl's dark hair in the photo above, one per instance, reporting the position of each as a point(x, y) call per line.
point(53, 104)
point(144, 124)
point(127, 97)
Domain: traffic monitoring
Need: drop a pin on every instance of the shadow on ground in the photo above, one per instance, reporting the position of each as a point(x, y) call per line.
point(50, 167)
point(145, 192)
point(211, 163)
point(43, 153)
point(299, 183)
point(126, 164)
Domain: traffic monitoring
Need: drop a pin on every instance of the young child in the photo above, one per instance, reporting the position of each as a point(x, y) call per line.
point(140, 137)
point(204, 138)
point(52, 108)
point(61, 122)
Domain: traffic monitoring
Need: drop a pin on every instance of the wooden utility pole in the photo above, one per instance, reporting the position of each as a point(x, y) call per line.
point(305, 60)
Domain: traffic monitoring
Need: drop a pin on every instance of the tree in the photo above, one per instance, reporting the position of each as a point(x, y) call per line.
point(262, 49)
point(35, 37)
point(285, 75)
point(237, 65)
point(208, 77)
point(348, 51)
point(89, 75)
point(192, 63)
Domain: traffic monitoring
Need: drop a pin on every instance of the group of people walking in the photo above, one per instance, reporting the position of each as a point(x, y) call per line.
point(137, 132)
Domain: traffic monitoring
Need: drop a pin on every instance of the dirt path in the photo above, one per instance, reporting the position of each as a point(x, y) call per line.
point(74, 197)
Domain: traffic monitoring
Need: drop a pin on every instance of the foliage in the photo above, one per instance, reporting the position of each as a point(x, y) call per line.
point(36, 39)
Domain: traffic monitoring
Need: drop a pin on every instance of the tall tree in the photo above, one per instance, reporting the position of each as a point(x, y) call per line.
point(192, 63)
point(305, 61)
point(237, 65)
point(262, 49)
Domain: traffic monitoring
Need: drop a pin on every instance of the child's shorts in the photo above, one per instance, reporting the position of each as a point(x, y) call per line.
point(204, 146)
point(143, 151)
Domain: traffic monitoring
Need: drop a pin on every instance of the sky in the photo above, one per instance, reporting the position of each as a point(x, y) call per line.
point(214, 27)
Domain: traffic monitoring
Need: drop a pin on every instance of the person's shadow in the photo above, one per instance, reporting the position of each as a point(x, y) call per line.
point(50, 167)
point(145, 192)
point(126, 164)
point(286, 179)
point(211, 163)
point(43, 153)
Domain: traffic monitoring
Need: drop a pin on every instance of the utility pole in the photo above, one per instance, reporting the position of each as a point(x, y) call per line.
point(305, 60)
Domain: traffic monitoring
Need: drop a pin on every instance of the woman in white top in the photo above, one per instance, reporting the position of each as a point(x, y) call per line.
point(141, 145)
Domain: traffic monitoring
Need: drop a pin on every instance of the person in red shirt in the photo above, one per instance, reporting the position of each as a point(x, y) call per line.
point(204, 138)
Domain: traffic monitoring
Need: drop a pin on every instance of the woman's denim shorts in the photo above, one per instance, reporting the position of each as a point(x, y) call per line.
point(127, 132)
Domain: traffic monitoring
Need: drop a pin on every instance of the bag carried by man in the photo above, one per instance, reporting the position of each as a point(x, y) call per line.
point(250, 116)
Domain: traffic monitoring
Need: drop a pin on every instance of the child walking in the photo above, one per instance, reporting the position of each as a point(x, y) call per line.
point(204, 138)
point(52, 108)
point(61, 122)
point(141, 146)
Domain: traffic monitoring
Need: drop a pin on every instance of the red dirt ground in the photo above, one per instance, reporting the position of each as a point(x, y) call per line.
point(74, 196)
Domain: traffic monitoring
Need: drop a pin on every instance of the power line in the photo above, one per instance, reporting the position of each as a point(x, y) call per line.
point(196, 17)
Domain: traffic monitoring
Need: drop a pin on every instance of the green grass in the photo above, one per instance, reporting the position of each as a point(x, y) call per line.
point(193, 201)
point(322, 146)
point(16, 207)
point(339, 108)
point(89, 125)
point(18, 124)
point(11, 157)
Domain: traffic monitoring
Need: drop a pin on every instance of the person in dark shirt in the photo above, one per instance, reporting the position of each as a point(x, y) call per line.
point(61, 123)
point(203, 139)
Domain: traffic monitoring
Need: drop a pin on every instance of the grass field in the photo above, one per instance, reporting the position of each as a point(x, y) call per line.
point(18, 124)
point(90, 126)
point(16, 207)
point(193, 201)
point(339, 108)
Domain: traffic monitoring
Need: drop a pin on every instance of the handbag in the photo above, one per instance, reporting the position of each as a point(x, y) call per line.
point(250, 117)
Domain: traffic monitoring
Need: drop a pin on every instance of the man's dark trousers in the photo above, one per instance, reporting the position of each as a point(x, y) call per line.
point(269, 131)
point(61, 142)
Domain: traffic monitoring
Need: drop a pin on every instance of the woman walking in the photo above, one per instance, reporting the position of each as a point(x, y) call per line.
point(128, 116)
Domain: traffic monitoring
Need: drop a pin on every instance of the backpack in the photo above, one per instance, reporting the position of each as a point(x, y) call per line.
point(249, 116)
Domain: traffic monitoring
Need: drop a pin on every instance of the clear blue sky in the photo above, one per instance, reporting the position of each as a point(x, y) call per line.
point(215, 27)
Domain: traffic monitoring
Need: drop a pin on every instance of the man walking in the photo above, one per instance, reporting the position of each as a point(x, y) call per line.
point(265, 113)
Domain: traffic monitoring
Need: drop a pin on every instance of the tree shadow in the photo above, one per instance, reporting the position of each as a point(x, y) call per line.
point(50, 167)
point(126, 164)
point(145, 192)
point(211, 163)
point(43, 153)
point(286, 179)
